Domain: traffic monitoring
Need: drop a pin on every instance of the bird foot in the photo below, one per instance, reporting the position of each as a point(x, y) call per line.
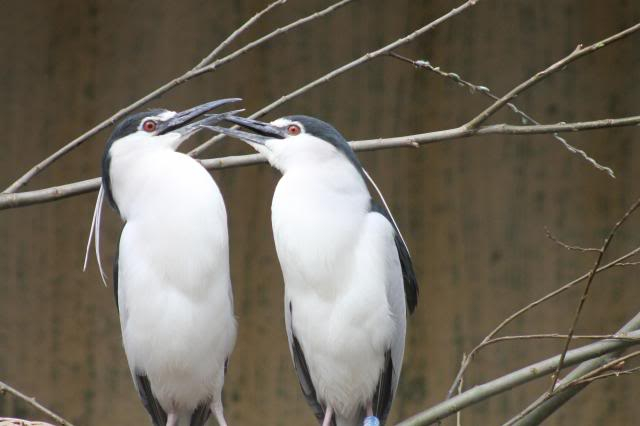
point(371, 421)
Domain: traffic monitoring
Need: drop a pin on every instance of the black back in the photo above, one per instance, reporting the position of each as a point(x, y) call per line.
point(124, 128)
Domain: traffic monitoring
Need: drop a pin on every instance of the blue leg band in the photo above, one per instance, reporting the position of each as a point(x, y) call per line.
point(371, 421)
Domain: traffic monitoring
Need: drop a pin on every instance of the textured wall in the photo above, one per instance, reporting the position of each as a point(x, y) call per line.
point(473, 212)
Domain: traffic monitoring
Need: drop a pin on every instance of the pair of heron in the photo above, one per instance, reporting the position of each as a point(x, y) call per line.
point(349, 281)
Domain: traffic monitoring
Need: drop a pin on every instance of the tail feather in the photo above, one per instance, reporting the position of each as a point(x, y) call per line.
point(200, 415)
point(157, 413)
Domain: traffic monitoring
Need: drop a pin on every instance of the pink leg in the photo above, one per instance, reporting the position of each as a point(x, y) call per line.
point(328, 414)
point(172, 419)
point(218, 413)
point(369, 409)
point(370, 420)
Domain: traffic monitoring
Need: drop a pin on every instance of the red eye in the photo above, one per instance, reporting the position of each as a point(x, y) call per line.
point(149, 126)
point(293, 129)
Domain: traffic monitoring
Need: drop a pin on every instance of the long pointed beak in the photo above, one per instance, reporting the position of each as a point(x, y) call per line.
point(263, 131)
point(181, 121)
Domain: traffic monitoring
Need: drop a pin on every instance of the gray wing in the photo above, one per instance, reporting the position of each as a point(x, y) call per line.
point(409, 279)
point(390, 375)
point(121, 303)
point(300, 365)
point(116, 260)
point(400, 280)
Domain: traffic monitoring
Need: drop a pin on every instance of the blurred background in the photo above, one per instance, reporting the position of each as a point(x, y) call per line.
point(473, 211)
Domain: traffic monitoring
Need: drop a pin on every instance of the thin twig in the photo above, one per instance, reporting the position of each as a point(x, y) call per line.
point(555, 336)
point(585, 293)
point(546, 405)
point(596, 374)
point(32, 401)
point(460, 387)
point(336, 72)
point(236, 33)
point(27, 198)
point(159, 91)
point(278, 31)
point(565, 245)
point(509, 381)
point(610, 374)
point(628, 264)
point(580, 382)
point(576, 54)
point(484, 90)
point(527, 308)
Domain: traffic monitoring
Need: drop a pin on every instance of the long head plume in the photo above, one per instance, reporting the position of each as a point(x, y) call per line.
point(386, 207)
point(94, 234)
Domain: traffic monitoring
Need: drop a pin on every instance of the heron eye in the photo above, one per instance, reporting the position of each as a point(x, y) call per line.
point(149, 126)
point(293, 129)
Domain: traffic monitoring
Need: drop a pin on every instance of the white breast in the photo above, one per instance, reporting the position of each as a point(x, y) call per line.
point(175, 295)
point(334, 256)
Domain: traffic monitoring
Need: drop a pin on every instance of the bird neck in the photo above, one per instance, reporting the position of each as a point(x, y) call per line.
point(317, 217)
point(158, 182)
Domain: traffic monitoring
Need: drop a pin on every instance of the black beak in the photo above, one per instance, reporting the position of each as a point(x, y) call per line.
point(181, 121)
point(263, 131)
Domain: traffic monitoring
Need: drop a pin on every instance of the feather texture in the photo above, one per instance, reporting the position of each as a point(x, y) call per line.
point(343, 280)
point(172, 279)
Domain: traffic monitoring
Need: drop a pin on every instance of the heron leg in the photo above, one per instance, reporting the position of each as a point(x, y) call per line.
point(371, 420)
point(172, 419)
point(216, 407)
point(328, 414)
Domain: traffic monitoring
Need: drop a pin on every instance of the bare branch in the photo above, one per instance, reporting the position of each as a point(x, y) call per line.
point(628, 264)
point(341, 70)
point(526, 118)
point(547, 336)
point(576, 54)
point(161, 90)
point(596, 374)
point(509, 381)
point(460, 387)
point(8, 421)
point(616, 373)
point(497, 129)
point(271, 35)
point(22, 199)
point(527, 308)
point(547, 404)
point(592, 274)
point(39, 196)
point(567, 246)
point(35, 404)
point(236, 33)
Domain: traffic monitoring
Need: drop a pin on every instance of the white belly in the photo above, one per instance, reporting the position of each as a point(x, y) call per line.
point(345, 357)
point(174, 290)
point(341, 315)
point(178, 333)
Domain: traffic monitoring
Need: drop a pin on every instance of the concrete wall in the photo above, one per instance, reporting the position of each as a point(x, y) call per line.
point(473, 212)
